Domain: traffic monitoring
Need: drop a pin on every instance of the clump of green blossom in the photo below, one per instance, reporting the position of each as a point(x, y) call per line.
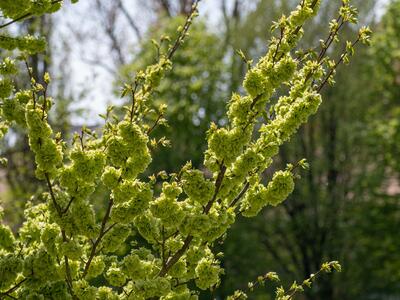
point(154, 239)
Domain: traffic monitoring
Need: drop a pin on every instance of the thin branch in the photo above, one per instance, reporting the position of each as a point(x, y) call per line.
point(278, 45)
point(12, 289)
point(67, 267)
point(333, 69)
point(155, 124)
point(178, 254)
point(163, 247)
point(24, 16)
point(103, 231)
point(240, 195)
point(133, 101)
point(165, 5)
point(174, 259)
point(52, 196)
point(16, 20)
point(184, 30)
point(218, 184)
point(68, 205)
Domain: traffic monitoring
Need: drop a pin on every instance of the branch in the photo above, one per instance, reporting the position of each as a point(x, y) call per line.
point(240, 195)
point(155, 124)
point(333, 69)
point(218, 183)
point(52, 196)
point(12, 289)
point(178, 254)
point(68, 205)
point(15, 20)
point(27, 15)
point(103, 231)
point(174, 259)
point(183, 32)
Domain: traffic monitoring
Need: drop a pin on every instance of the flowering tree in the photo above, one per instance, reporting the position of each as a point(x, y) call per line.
point(67, 250)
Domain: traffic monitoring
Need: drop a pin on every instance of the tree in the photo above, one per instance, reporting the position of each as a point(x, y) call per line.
point(65, 250)
point(347, 181)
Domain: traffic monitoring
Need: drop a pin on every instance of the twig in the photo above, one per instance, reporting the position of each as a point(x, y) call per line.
point(52, 196)
point(155, 123)
point(184, 30)
point(12, 289)
point(240, 195)
point(103, 231)
point(342, 56)
point(133, 100)
point(26, 15)
point(174, 259)
point(68, 205)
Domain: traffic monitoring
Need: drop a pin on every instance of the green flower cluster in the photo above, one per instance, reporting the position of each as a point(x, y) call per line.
point(116, 238)
point(198, 189)
point(207, 273)
point(48, 154)
point(127, 149)
point(225, 145)
point(79, 178)
point(131, 198)
point(28, 43)
point(40, 267)
point(6, 238)
point(8, 67)
point(167, 208)
point(6, 87)
point(14, 108)
point(10, 266)
point(277, 190)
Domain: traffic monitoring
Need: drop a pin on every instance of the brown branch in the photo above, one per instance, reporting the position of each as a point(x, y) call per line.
point(103, 231)
point(16, 20)
point(163, 247)
point(174, 259)
point(165, 5)
point(240, 195)
point(12, 289)
point(68, 205)
point(278, 45)
point(29, 69)
point(155, 124)
point(178, 254)
point(26, 15)
point(52, 196)
point(326, 44)
point(183, 32)
point(342, 56)
point(218, 184)
point(64, 236)
point(133, 100)
point(109, 28)
point(67, 268)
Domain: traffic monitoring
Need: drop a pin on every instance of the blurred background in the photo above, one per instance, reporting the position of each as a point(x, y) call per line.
point(346, 207)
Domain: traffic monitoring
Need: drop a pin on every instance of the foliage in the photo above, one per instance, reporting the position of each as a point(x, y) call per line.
point(193, 90)
point(64, 247)
point(347, 194)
